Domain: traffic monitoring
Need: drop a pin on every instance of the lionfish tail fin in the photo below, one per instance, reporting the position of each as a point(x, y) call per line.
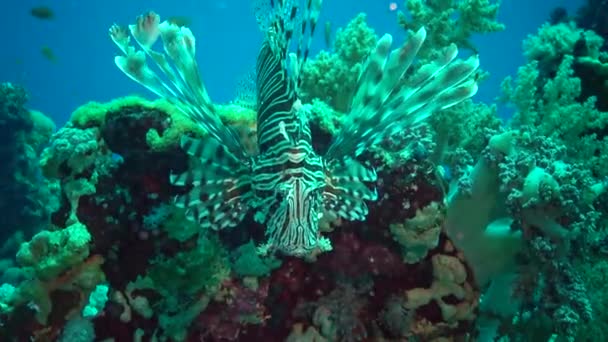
point(219, 184)
point(388, 99)
point(349, 186)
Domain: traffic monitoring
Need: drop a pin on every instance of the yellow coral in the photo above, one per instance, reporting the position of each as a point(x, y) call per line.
point(419, 234)
point(93, 114)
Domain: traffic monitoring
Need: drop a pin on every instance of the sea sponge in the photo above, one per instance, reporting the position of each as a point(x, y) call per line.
point(164, 114)
point(450, 277)
point(485, 238)
point(50, 253)
point(43, 129)
point(418, 235)
point(71, 150)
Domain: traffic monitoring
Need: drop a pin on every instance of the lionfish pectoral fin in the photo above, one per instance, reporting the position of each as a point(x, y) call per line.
point(219, 183)
point(176, 78)
point(348, 187)
point(387, 99)
point(220, 194)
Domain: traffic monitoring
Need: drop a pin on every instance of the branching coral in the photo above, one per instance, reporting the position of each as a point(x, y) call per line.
point(553, 42)
point(450, 21)
point(556, 93)
point(525, 193)
point(555, 110)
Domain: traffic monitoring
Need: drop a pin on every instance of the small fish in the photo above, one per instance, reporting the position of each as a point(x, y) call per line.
point(328, 34)
point(42, 13)
point(445, 172)
point(117, 158)
point(180, 21)
point(48, 53)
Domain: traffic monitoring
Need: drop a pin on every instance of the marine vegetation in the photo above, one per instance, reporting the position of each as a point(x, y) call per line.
point(357, 194)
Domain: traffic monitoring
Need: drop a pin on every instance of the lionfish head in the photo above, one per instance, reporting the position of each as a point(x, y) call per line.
point(293, 228)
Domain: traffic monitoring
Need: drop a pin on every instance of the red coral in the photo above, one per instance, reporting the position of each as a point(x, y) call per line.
point(240, 306)
point(353, 257)
point(379, 260)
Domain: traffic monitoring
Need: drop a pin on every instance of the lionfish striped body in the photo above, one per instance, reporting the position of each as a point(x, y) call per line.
point(288, 176)
point(287, 184)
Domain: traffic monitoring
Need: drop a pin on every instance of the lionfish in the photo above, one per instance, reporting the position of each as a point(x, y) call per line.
point(287, 184)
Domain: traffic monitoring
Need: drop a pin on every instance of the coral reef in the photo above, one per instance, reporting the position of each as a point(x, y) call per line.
point(181, 283)
point(26, 197)
point(482, 230)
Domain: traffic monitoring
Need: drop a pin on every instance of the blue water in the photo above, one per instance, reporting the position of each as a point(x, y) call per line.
point(228, 39)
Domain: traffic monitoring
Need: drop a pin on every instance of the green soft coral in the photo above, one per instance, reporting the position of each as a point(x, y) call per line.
point(552, 42)
point(554, 110)
point(324, 116)
point(93, 115)
point(200, 269)
point(450, 21)
point(332, 76)
point(247, 262)
point(557, 106)
point(595, 276)
point(463, 126)
point(186, 282)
